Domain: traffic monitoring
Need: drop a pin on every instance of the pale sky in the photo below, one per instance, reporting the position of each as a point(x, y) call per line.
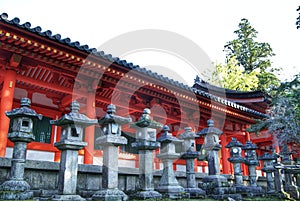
point(209, 24)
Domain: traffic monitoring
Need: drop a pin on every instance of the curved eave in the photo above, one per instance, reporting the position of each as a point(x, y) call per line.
point(233, 94)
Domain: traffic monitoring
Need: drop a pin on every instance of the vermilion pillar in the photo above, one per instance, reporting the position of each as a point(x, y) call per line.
point(225, 164)
point(247, 136)
point(7, 97)
point(89, 131)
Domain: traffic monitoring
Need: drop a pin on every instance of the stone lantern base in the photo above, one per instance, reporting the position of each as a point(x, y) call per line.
point(217, 187)
point(196, 192)
point(67, 197)
point(147, 195)
point(110, 195)
point(173, 192)
point(250, 191)
point(15, 190)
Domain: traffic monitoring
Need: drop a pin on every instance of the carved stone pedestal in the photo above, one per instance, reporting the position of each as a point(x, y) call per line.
point(67, 197)
point(110, 190)
point(16, 188)
point(168, 184)
point(189, 156)
point(146, 144)
point(70, 143)
point(111, 127)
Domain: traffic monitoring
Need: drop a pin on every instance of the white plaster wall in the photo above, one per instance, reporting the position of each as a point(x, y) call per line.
point(206, 169)
point(80, 159)
point(180, 168)
point(33, 155)
point(9, 152)
point(258, 173)
point(98, 161)
point(126, 163)
point(40, 155)
point(199, 169)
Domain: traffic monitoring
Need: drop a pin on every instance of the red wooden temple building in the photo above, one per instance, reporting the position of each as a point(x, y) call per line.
point(52, 72)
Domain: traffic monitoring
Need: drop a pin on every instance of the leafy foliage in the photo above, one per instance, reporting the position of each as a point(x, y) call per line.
point(284, 114)
point(231, 76)
point(252, 56)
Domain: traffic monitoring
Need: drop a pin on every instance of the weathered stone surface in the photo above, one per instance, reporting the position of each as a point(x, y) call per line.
point(110, 195)
point(111, 140)
point(67, 198)
point(146, 121)
point(195, 192)
point(111, 123)
point(149, 194)
point(168, 183)
point(268, 160)
point(111, 127)
point(110, 167)
point(131, 184)
point(146, 143)
point(42, 176)
point(251, 161)
point(236, 159)
point(213, 181)
point(93, 184)
point(189, 155)
point(16, 188)
point(70, 142)
point(211, 146)
point(47, 193)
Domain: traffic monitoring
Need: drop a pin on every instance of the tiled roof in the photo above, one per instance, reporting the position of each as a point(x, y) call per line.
point(202, 85)
point(86, 49)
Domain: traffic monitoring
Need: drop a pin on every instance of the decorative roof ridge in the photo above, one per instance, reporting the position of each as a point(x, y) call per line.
point(208, 86)
point(228, 103)
point(85, 48)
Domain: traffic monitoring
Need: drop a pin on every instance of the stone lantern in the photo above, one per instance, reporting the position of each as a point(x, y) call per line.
point(269, 169)
point(211, 146)
point(168, 183)
point(237, 159)
point(251, 161)
point(73, 125)
point(286, 160)
point(21, 134)
point(189, 156)
point(146, 143)
point(111, 127)
point(215, 185)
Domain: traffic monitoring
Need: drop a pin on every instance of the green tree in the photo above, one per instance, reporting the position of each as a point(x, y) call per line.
point(284, 114)
point(253, 56)
point(232, 76)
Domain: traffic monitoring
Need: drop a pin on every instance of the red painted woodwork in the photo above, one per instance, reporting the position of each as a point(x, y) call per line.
point(7, 96)
point(50, 68)
point(89, 131)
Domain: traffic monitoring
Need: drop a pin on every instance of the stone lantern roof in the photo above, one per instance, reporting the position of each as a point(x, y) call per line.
point(188, 134)
point(234, 143)
point(111, 117)
point(210, 129)
point(167, 137)
point(74, 117)
point(249, 146)
point(146, 121)
point(23, 111)
point(266, 156)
